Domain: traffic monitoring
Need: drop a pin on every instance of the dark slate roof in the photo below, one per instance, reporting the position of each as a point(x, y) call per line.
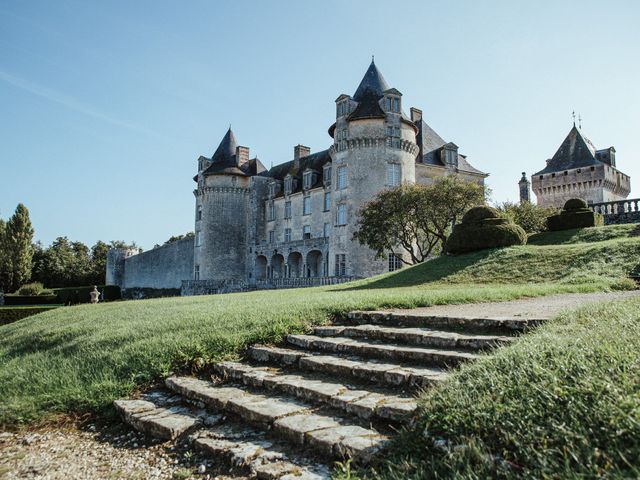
point(373, 80)
point(315, 162)
point(575, 152)
point(368, 107)
point(432, 144)
point(226, 150)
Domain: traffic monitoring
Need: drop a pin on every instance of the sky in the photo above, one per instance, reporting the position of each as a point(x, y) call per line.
point(105, 106)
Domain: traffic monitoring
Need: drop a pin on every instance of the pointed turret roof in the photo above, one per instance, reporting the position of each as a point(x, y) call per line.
point(576, 151)
point(372, 80)
point(226, 150)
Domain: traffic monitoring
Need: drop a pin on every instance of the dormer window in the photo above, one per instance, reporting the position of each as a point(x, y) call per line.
point(272, 189)
point(326, 175)
point(343, 108)
point(307, 180)
point(392, 104)
point(288, 185)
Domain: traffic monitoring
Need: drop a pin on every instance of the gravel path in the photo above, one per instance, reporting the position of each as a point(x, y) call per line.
point(537, 308)
point(70, 454)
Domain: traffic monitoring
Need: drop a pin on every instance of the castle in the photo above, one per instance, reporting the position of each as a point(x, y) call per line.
point(578, 170)
point(293, 225)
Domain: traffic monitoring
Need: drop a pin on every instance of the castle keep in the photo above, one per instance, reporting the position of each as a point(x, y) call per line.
point(292, 225)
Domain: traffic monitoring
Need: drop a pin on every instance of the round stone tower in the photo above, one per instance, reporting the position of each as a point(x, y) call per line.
point(222, 200)
point(374, 148)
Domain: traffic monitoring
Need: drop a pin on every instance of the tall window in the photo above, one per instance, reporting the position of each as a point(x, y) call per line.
point(393, 174)
point(199, 213)
point(341, 214)
point(196, 272)
point(307, 180)
point(272, 236)
point(341, 265)
point(326, 176)
point(287, 209)
point(327, 201)
point(288, 185)
point(326, 230)
point(287, 234)
point(393, 104)
point(306, 205)
point(306, 231)
point(342, 177)
point(198, 238)
point(272, 189)
point(271, 211)
point(395, 263)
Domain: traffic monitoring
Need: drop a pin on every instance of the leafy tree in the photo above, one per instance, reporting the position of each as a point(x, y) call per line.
point(176, 238)
point(529, 216)
point(416, 218)
point(18, 250)
point(4, 258)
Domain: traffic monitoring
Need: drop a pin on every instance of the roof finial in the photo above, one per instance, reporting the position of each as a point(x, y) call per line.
point(580, 121)
point(373, 59)
point(573, 114)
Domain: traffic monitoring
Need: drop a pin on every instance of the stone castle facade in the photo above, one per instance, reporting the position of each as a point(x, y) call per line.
point(579, 170)
point(292, 225)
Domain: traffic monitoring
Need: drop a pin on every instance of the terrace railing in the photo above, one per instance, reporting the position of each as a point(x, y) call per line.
point(620, 211)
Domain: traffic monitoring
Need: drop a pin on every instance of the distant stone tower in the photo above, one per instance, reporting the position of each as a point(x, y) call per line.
point(525, 190)
point(374, 148)
point(222, 211)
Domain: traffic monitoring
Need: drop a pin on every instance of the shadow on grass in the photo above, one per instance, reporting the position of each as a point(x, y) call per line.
point(635, 233)
point(431, 271)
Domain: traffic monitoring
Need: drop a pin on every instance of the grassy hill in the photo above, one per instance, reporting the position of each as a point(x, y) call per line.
point(77, 359)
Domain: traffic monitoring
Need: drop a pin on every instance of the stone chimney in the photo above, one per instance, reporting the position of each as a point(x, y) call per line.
point(416, 114)
point(300, 151)
point(242, 155)
point(525, 192)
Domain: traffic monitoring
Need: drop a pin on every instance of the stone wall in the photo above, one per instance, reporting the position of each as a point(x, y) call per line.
point(161, 268)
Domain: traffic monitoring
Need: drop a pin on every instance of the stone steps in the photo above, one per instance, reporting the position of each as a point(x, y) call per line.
point(389, 374)
point(416, 336)
point(298, 421)
point(505, 326)
point(358, 401)
point(383, 351)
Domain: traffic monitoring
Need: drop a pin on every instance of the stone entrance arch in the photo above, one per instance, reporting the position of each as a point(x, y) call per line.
point(294, 261)
point(314, 264)
point(277, 266)
point(261, 267)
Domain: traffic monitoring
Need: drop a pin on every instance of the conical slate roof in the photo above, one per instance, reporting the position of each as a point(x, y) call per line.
point(226, 150)
point(372, 80)
point(368, 106)
point(575, 152)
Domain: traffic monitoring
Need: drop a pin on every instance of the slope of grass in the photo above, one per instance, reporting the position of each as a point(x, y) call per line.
point(563, 402)
point(81, 358)
point(584, 235)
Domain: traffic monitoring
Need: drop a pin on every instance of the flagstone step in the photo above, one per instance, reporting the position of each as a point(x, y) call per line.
point(355, 400)
point(294, 419)
point(416, 336)
point(505, 325)
point(386, 351)
point(395, 374)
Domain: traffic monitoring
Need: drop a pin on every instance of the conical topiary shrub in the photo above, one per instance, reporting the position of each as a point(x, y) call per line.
point(482, 227)
point(574, 214)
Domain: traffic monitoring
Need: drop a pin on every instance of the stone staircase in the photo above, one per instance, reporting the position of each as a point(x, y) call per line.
point(288, 412)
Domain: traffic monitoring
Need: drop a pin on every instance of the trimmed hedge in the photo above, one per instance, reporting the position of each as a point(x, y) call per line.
point(481, 228)
point(574, 214)
point(12, 299)
point(65, 296)
point(10, 315)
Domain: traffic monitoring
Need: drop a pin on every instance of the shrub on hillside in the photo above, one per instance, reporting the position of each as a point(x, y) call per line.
point(575, 214)
point(34, 288)
point(481, 228)
point(531, 217)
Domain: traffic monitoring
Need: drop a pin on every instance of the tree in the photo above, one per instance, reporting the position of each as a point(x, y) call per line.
point(176, 238)
point(416, 218)
point(18, 238)
point(4, 263)
point(529, 216)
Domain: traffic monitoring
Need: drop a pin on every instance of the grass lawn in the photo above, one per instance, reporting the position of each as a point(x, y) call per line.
point(563, 402)
point(76, 359)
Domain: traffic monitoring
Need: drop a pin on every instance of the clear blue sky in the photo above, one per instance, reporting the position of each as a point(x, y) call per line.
point(105, 106)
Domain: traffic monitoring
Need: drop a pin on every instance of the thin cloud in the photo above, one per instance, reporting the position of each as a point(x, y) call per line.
point(69, 102)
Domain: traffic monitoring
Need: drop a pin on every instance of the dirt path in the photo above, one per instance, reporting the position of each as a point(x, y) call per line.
point(538, 308)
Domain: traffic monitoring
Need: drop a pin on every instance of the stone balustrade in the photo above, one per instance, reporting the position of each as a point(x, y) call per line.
point(300, 282)
point(620, 211)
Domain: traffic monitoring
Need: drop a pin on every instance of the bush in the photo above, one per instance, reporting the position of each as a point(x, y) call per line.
point(76, 295)
point(34, 288)
point(13, 299)
point(482, 228)
point(575, 214)
point(531, 217)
